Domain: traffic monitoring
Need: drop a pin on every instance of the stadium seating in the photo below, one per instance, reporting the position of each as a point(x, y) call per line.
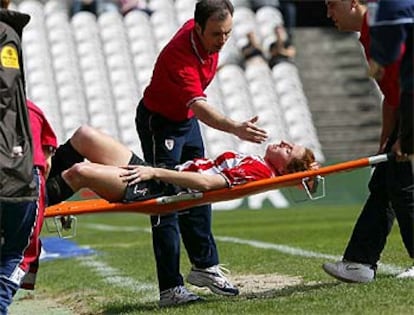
point(41, 86)
point(267, 18)
point(51, 7)
point(244, 22)
point(89, 69)
point(142, 46)
point(161, 5)
point(293, 105)
point(184, 9)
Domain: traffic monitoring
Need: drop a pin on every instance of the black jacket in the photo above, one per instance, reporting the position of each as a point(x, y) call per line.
point(16, 150)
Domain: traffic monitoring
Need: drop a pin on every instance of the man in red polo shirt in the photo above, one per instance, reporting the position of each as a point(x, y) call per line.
point(44, 144)
point(167, 124)
point(391, 183)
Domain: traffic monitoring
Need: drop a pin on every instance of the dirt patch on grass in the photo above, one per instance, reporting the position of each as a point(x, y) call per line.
point(256, 284)
point(250, 286)
point(39, 302)
point(29, 303)
point(262, 285)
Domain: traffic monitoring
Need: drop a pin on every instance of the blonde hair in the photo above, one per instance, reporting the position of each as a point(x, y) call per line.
point(302, 164)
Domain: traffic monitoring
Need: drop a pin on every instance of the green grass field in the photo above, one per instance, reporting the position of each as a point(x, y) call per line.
point(275, 256)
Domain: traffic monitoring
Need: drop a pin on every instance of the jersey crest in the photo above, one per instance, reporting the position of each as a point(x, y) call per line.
point(169, 144)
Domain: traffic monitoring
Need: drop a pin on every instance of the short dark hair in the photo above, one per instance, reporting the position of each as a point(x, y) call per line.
point(205, 9)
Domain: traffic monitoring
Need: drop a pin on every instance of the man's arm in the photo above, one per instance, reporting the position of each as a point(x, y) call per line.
point(246, 130)
point(202, 182)
point(48, 153)
point(389, 118)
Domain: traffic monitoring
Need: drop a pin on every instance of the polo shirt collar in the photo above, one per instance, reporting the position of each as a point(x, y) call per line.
point(198, 48)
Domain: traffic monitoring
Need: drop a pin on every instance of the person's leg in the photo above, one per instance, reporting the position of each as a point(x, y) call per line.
point(162, 144)
point(17, 223)
point(369, 235)
point(374, 223)
point(195, 224)
point(104, 180)
point(89, 143)
point(401, 188)
point(165, 231)
point(195, 227)
point(98, 147)
point(288, 10)
point(32, 253)
point(76, 7)
point(406, 119)
point(64, 157)
point(92, 144)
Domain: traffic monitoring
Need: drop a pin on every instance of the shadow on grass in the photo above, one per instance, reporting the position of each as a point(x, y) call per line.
point(144, 307)
point(129, 308)
point(210, 298)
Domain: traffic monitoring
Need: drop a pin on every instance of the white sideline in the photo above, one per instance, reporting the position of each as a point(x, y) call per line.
point(382, 268)
point(114, 277)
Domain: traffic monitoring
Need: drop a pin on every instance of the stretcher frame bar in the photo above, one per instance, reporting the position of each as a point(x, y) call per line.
point(168, 204)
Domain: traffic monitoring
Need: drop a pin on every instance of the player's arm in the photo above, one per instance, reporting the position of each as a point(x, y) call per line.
point(48, 152)
point(202, 182)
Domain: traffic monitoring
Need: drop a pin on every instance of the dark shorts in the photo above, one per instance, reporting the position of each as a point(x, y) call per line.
point(147, 189)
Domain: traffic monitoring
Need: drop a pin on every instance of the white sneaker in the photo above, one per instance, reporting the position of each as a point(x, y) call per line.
point(177, 295)
point(409, 273)
point(214, 278)
point(349, 271)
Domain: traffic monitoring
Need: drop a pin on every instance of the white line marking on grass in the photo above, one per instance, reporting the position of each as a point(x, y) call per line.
point(114, 277)
point(113, 228)
point(383, 268)
point(277, 247)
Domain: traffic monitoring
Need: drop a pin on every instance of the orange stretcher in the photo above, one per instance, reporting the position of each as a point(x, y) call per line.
point(167, 204)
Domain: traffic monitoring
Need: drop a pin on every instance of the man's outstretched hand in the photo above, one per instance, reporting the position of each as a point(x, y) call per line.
point(249, 131)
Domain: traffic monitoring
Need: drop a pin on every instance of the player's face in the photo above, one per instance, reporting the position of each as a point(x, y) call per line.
point(215, 34)
point(281, 154)
point(339, 11)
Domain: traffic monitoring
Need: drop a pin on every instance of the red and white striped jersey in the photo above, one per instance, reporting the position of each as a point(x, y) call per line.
point(236, 168)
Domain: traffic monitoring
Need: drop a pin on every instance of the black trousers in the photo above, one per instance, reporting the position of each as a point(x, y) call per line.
point(391, 196)
point(170, 143)
point(406, 122)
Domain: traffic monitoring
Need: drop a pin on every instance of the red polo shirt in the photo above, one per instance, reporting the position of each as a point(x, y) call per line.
point(389, 84)
point(181, 73)
point(42, 134)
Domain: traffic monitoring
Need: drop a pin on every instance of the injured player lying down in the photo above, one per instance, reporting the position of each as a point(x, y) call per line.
point(118, 175)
